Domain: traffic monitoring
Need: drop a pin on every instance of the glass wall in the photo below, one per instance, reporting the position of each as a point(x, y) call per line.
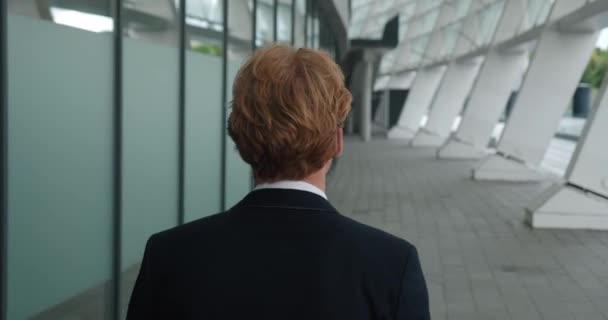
point(284, 17)
point(316, 27)
point(264, 29)
point(310, 22)
point(326, 38)
point(238, 180)
point(101, 125)
point(60, 213)
point(150, 95)
point(299, 23)
point(203, 114)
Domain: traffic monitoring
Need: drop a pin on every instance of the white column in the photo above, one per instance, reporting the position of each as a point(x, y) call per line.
point(582, 201)
point(417, 103)
point(499, 73)
point(365, 125)
point(552, 77)
point(448, 102)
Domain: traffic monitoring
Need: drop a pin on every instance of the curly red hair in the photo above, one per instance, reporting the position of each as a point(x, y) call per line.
point(287, 107)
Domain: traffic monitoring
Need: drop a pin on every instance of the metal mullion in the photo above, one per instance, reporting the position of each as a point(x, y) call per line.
point(254, 47)
point(315, 26)
point(117, 163)
point(182, 113)
point(275, 16)
point(223, 105)
point(293, 22)
point(306, 12)
point(255, 25)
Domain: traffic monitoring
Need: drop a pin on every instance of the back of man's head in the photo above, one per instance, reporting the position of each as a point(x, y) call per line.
point(287, 108)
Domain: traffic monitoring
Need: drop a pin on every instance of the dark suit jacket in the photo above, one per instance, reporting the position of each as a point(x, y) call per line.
point(279, 254)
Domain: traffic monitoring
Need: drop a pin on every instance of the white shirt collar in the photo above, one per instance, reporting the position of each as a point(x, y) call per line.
point(295, 185)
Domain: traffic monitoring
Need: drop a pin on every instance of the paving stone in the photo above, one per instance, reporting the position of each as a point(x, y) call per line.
point(480, 260)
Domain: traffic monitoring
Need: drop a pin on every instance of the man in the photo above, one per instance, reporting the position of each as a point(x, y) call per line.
point(283, 252)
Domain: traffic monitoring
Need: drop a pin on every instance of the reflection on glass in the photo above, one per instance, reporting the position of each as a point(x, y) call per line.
point(316, 31)
point(544, 12)
point(537, 12)
point(150, 94)
point(489, 18)
point(299, 23)
point(240, 26)
point(417, 50)
point(387, 62)
point(203, 111)
point(426, 5)
point(479, 28)
point(209, 11)
point(533, 8)
point(450, 38)
point(429, 20)
point(204, 26)
point(84, 15)
point(461, 9)
point(405, 13)
point(327, 40)
point(284, 21)
point(82, 20)
point(424, 23)
point(265, 22)
point(152, 20)
point(310, 13)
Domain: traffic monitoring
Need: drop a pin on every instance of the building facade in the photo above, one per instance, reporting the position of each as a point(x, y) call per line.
point(113, 129)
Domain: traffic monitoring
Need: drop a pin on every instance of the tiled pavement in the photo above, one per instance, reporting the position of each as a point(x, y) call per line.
point(480, 260)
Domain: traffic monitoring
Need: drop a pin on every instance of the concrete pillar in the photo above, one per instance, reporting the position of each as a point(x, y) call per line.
point(582, 201)
point(421, 94)
point(546, 91)
point(367, 82)
point(382, 112)
point(448, 102)
point(499, 73)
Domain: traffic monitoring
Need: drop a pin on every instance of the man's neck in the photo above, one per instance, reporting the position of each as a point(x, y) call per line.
point(317, 178)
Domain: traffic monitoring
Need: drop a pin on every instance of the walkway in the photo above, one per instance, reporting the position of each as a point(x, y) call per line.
point(480, 260)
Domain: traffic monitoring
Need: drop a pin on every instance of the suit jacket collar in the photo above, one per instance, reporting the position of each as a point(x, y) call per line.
point(287, 199)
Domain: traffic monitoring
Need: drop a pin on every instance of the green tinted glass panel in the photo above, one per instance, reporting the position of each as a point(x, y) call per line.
point(60, 168)
point(203, 135)
point(150, 95)
point(238, 173)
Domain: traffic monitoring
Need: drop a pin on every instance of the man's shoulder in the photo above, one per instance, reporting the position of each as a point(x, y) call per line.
point(369, 236)
point(349, 234)
point(190, 231)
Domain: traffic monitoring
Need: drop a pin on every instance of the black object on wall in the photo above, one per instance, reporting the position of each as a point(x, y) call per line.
point(581, 101)
point(510, 104)
point(376, 99)
point(396, 103)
